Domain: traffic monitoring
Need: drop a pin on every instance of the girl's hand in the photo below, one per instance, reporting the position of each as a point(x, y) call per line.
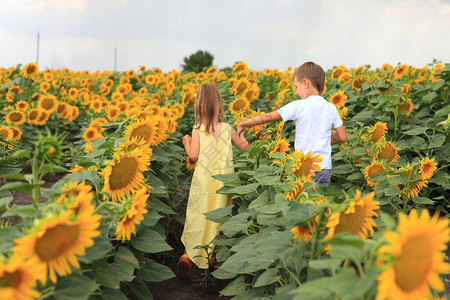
point(186, 139)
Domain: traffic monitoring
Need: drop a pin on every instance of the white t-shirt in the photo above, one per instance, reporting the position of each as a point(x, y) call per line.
point(314, 117)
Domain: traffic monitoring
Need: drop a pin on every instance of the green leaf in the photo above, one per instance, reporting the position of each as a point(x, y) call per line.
point(239, 190)
point(437, 141)
point(422, 200)
point(112, 294)
point(4, 202)
point(358, 152)
point(391, 190)
point(415, 131)
point(235, 287)
point(140, 290)
point(20, 153)
point(268, 277)
point(342, 169)
point(325, 264)
point(106, 274)
point(74, 287)
point(267, 179)
point(7, 235)
point(428, 98)
point(101, 246)
point(85, 175)
point(125, 263)
point(219, 215)
point(149, 241)
point(154, 272)
point(21, 186)
point(236, 224)
point(301, 213)
point(22, 211)
point(151, 218)
point(362, 116)
point(396, 180)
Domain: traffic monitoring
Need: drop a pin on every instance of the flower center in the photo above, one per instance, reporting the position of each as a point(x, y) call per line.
point(143, 132)
point(352, 222)
point(15, 117)
point(123, 173)
point(48, 103)
point(375, 170)
point(56, 241)
point(10, 279)
point(413, 265)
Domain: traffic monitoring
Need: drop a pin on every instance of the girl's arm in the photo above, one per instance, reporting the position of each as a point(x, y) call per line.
point(239, 140)
point(258, 120)
point(192, 145)
point(340, 135)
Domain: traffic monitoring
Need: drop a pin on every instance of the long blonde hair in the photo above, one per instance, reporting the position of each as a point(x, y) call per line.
point(208, 107)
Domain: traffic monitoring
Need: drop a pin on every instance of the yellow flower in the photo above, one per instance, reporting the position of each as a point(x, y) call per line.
point(400, 71)
point(373, 170)
point(77, 197)
point(414, 257)
point(6, 133)
point(123, 175)
point(357, 83)
point(427, 168)
point(48, 103)
point(241, 85)
point(29, 70)
point(190, 164)
point(33, 116)
point(88, 148)
point(415, 185)
point(405, 105)
point(91, 133)
point(377, 132)
point(305, 165)
point(388, 151)
point(239, 104)
point(59, 240)
point(240, 67)
point(17, 133)
point(22, 105)
point(281, 146)
point(338, 99)
point(145, 129)
point(355, 219)
point(387, 67)
point(18, 277)
point(134, 215)
point(16, 117)
point(303, 232)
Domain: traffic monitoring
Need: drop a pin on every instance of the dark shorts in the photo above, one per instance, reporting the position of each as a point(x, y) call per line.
point(323, 177)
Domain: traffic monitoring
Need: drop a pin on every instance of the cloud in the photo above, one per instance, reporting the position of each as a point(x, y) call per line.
point(445, 10)
point(61, 5)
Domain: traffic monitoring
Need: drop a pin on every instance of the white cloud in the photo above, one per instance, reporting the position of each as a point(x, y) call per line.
point(61, 5)
point(445, 10)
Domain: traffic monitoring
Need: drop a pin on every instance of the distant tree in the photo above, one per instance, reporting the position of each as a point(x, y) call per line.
point(197, 62)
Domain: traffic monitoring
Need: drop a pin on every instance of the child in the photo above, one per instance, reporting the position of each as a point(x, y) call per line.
point(210, 146)
point(313, 115)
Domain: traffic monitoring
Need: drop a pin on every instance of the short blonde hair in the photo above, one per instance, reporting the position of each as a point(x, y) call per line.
point(313, 72)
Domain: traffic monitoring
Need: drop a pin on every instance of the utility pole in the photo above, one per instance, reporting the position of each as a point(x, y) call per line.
point(115, 59)
point(37, 49)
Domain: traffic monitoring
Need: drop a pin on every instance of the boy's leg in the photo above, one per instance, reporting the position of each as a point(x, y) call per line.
point(323, 177)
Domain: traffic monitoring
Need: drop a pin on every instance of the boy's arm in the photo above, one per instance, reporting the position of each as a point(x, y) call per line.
point(239, 140)
point(258, 120)
point(192, 145)
point(340, 135)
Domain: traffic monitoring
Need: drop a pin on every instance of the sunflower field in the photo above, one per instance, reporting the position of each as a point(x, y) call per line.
point(380, 230)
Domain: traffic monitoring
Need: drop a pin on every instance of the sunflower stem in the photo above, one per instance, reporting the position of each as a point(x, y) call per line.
point(115, 204)
point(316, 235)
point(35, 173)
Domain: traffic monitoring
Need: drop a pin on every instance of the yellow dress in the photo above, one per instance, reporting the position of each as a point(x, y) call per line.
point(215, 158)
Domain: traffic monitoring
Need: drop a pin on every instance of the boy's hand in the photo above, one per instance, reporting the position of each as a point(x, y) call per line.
point(240, 130)
point(186, 139)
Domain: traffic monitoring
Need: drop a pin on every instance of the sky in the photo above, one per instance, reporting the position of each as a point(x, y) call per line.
point(126, 34)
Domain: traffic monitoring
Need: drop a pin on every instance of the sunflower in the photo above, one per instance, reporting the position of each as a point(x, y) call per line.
point(427, 168)
point(6, 133)
point(338, 72)
point(96, 105)
point(241, 85)
point(387, 67)
point(48, 103)
point(133, 216)
point(373, 170)
point(281, 146)
point(343, 112)
point(48, 76)
point(16, 117)
point(112, 113)
point(359, 69)
point(413, 257)
point(405, 105)
point(414, 183)
point(305, 165)
point(33, 116)
point(73, 93)
point(190, 163)
point(58, 240)
point(88, 148)
point(345, 77)
point(406, 88)
point(42, 117)
point(18, 277)
point(338, 99)
point(356, 218)
point(77, 197)
point(145, 129)
point(240, 67)
point(22, 105)
point(162, 129)
point(124, 80)
point(357, 83)
point(303, 232)
point(131, 73)
point(388, 151)
point(239, 104)
point(178, 110)
point(91, 134)
point(298, 188)
point(400, 71)
point(124, 173)
point(98, 123)
point(29, 70)
point(377, 132)
point(17, 133)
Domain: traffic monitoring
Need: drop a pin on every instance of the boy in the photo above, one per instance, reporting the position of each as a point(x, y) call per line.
point(313, 115)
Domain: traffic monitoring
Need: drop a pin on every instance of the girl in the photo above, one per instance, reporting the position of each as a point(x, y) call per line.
point(210, 146)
